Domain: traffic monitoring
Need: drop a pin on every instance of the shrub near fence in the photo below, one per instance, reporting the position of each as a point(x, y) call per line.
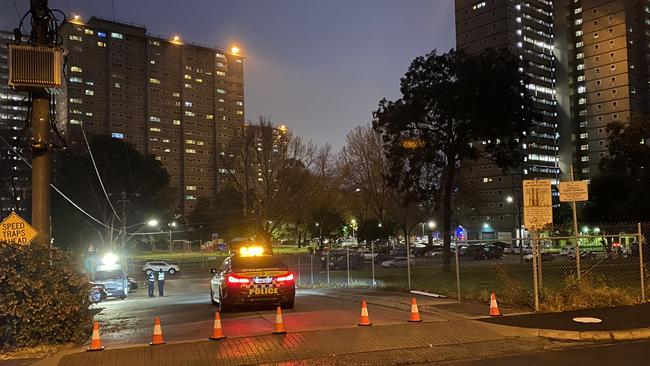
point(43, 297)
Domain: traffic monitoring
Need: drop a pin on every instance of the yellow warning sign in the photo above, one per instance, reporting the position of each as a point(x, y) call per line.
point(15, 230)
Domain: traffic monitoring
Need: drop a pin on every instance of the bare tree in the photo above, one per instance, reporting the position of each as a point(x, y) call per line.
point(274, 172)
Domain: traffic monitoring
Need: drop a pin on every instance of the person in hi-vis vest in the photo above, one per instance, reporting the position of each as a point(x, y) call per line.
point(161, 282)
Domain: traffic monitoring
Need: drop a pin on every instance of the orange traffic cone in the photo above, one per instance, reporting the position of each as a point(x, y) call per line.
point(95, 342)
point(365, 319)
point(415, 314)
point(217, 333)
point(157, 338)
point(494, 308)
point(279, 324)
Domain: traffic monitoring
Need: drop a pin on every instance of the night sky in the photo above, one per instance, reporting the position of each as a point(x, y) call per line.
point(320, 67)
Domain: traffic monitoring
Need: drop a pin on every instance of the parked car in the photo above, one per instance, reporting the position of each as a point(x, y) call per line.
point(545, 257)
point(434, 252)
point(133, 284)
point(114, 281)
point(398, 262)
point(339, 260)
point(486, 251)
point(155, 266)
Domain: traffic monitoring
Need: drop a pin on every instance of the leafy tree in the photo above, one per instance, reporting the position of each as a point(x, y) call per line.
point(621, 192)
point(137, 187)
point(453, 108)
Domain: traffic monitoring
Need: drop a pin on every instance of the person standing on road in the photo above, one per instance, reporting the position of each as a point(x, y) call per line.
point(161, 282)
point(150, 283)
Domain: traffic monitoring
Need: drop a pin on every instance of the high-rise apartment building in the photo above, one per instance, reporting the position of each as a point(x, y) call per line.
point(15, 176)
point(526, 29)
point(174, 99)
point(588, 65)
point(605, 52)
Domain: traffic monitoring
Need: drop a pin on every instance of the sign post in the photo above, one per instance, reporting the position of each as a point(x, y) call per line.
point(538, 214)
point(574, 191)
point(15, 230)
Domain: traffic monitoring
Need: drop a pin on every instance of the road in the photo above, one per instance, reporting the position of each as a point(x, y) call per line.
point(186, 314)
point(621, 354)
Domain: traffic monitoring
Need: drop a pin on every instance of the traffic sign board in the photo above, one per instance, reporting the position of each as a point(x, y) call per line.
point(538, 204)
point(574, 191)
point(15, 230)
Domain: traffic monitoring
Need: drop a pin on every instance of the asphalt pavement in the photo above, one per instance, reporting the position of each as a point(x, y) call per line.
point(615, 318)
point(187, 314)
point(619, 354)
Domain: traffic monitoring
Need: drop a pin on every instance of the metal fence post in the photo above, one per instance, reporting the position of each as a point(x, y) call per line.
point(311, 264)
point(535, 288)
point(327, 259)
point(540, 286)
point(299, 271)
point(372, 263)
point(457, 271)
point(348, 263)
point(640, 240)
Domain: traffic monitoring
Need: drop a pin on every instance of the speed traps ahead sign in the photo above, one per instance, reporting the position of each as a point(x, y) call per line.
point(15, 230)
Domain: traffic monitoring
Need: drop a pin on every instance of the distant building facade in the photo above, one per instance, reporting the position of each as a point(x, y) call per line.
point(15, 175)
point(176, 100)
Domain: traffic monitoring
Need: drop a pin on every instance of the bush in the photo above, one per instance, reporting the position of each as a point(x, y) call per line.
point(43, 297)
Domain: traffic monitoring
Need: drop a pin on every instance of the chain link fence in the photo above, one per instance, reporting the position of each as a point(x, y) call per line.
point(546, 271)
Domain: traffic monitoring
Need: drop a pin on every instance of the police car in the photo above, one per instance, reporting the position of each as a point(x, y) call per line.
point(251, 276)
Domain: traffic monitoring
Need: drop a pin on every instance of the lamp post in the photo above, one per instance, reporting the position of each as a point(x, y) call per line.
point(171, 225)
point(353, 225)
point(518, 232)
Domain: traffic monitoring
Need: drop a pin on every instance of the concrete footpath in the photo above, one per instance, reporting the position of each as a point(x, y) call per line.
point(425, 342)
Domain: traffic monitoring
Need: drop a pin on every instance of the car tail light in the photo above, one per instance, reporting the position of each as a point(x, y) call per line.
point(237, 280)
point(286, 278)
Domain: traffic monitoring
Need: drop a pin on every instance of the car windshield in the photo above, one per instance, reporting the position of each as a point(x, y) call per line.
point(249, 264)
point(108, 275)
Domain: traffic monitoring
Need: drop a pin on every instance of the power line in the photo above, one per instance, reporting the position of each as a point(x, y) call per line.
point(56, 189)
point(92, 158)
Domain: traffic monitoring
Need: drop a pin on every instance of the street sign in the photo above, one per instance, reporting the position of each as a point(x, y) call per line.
point(538, 204)
point(574, 191)
point(15, 230)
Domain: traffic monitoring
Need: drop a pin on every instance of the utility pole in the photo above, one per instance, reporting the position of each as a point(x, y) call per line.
point(41, 147)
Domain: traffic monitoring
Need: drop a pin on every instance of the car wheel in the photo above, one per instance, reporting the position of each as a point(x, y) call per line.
point(172, 271)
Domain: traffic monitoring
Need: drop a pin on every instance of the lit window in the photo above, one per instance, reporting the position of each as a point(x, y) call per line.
point(238, 60)
point(90, 83)
point(584, 135)
point(240, 112)
point(89, 31)
point(221, 100)
point(166, 141)
point(584, 147)
point(76, 38)
point(101, 34)
point(187, 77)
point(221, 91)
point(101, 44)
point(89, 114)
point(76, 100)
point(221, 73)
point(240, 103)
point(189, 113)
point(154, 81)
point(190, 197)
point(117, 85)
point(198, 80)
point(200, 143)
point(76, 69)
point(154, 119)
point(584, 158)
point(153, 62)
point(188, 104)
point(219, 55)
point(117, 135)
point(89, 92)
point(177, 122)
point(189, 86)
point(75, 79)
point(190, 188)
point(75, 122)
point(154, 129)
point(117, 35)
point(209, 116)
point(155, 43)
point(190, 151)
point(190, 142)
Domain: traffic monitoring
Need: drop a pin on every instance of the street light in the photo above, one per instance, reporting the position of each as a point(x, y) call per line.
point(234, 50)
point(509, 199)
point(152, 223)
point(353, 225)
point(432, 225)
